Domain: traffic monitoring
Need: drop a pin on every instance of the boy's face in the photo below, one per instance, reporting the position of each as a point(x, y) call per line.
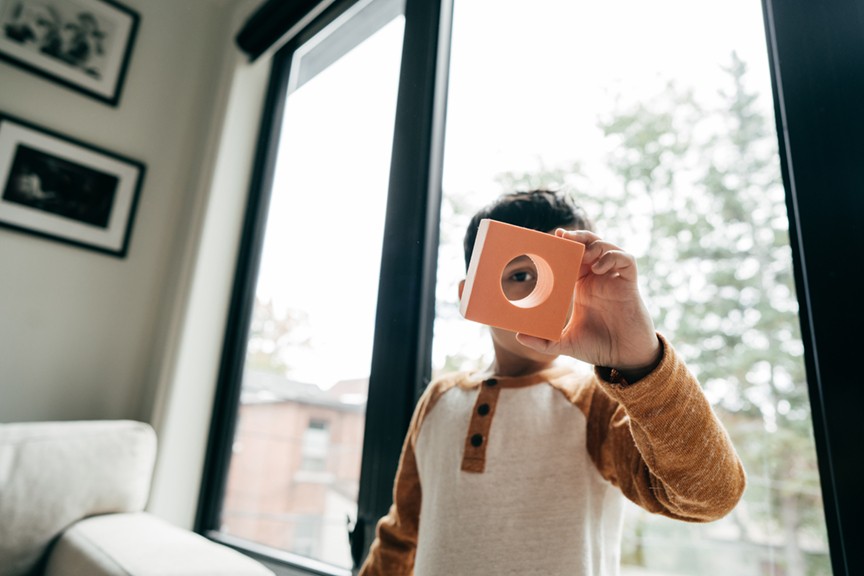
point(518, 280)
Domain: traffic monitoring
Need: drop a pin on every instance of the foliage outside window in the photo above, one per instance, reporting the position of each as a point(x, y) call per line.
point(689, 181)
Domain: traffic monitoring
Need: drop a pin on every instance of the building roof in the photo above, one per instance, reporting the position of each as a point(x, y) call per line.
point(260, 387)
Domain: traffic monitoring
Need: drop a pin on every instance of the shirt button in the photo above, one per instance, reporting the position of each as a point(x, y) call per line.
point(491, 382)
point(476, 440)
point(483, 409)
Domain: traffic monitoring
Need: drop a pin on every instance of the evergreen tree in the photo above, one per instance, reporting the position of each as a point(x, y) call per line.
point(719, 276)
point(702, 186)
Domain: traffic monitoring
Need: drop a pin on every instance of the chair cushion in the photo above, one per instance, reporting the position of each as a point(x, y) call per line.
point(141, 544)
point(54, 473)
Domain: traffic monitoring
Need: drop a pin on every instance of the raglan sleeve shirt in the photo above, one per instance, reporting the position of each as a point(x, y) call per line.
point(660, 442)
point(657, 440)
point(392, 552)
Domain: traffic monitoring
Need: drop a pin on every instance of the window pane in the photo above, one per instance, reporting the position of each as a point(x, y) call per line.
point(658, 117)
point(295, 463)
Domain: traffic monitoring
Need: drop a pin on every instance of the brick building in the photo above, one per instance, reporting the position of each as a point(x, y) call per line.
point(295, 465)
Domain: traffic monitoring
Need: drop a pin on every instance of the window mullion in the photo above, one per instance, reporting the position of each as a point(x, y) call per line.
point(401, 358)
point(815, 52)
point(223, 421)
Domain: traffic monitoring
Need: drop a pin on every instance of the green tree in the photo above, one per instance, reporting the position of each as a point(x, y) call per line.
point(273, 335)
point(720, 279)
point(701, 185)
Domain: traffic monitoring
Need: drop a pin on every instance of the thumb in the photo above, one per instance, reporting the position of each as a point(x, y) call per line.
point(536, 343)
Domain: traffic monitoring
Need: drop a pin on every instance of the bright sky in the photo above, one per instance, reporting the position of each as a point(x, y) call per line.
point(528, 83)
point(322, 252)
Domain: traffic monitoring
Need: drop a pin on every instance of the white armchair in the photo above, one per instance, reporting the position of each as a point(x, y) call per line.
point(72, 496)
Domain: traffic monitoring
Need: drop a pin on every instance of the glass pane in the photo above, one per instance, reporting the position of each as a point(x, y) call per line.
point(657, 117)
point(295, 463)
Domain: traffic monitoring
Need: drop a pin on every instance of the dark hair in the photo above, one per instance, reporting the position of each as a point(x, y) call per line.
point(542, 210)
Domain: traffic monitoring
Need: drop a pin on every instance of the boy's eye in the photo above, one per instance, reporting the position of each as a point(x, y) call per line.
point(522, 276)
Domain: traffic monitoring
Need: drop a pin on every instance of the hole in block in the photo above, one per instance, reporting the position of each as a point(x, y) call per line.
point(527, 281)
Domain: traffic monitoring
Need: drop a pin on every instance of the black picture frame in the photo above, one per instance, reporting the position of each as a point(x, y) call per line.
point(84, 45)
point(57, 187)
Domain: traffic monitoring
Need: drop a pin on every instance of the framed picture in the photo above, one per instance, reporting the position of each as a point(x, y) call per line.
point(82, 44)
point(57, 187)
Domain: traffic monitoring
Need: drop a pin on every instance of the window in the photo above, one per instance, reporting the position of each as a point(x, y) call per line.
point(293, 480)
point(309, 347)
point(314, 232)
point(673, 155)
point(662, 160)
point(316, 446)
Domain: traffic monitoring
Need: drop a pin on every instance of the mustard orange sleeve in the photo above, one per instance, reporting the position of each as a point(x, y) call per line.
point(659, 440)
point(392, 552)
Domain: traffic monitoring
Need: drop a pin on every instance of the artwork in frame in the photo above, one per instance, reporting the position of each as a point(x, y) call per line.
point(82, 44)
point(60, 188)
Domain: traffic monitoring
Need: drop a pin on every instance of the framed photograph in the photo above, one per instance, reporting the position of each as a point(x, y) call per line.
point(82, 44)
point(59, 188)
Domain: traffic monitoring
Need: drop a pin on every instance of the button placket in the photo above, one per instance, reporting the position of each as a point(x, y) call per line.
point(474, 454)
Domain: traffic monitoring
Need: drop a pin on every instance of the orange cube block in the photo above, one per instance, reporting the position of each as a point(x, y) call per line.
point(542, 313)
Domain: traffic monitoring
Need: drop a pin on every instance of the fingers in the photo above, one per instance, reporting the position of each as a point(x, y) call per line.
point(602, 257)
point(617, 262)
point(584, 236)
point(595, 246)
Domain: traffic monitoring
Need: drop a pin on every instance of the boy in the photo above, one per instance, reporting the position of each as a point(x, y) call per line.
point(521, 469)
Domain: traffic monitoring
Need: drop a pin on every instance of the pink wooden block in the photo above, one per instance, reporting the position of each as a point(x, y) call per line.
point(542, 313)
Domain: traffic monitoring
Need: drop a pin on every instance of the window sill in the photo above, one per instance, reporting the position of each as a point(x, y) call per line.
point(281, 562)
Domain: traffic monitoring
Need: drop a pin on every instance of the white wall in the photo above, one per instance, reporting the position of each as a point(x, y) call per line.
point(193, 339)
point(85, 335)
point(89, 336)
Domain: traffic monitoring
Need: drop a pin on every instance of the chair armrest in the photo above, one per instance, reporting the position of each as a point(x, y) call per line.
point(140, 544)
point(55, 473)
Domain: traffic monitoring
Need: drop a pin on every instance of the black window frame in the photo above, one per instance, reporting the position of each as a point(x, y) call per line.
point(401, 355)
point(816, 55)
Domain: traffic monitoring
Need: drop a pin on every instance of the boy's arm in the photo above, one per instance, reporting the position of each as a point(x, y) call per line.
point(392, 552)
point(660, 442)
point(655, 434)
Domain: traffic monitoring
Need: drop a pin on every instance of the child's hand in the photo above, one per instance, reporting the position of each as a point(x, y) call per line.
point(610, 325)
